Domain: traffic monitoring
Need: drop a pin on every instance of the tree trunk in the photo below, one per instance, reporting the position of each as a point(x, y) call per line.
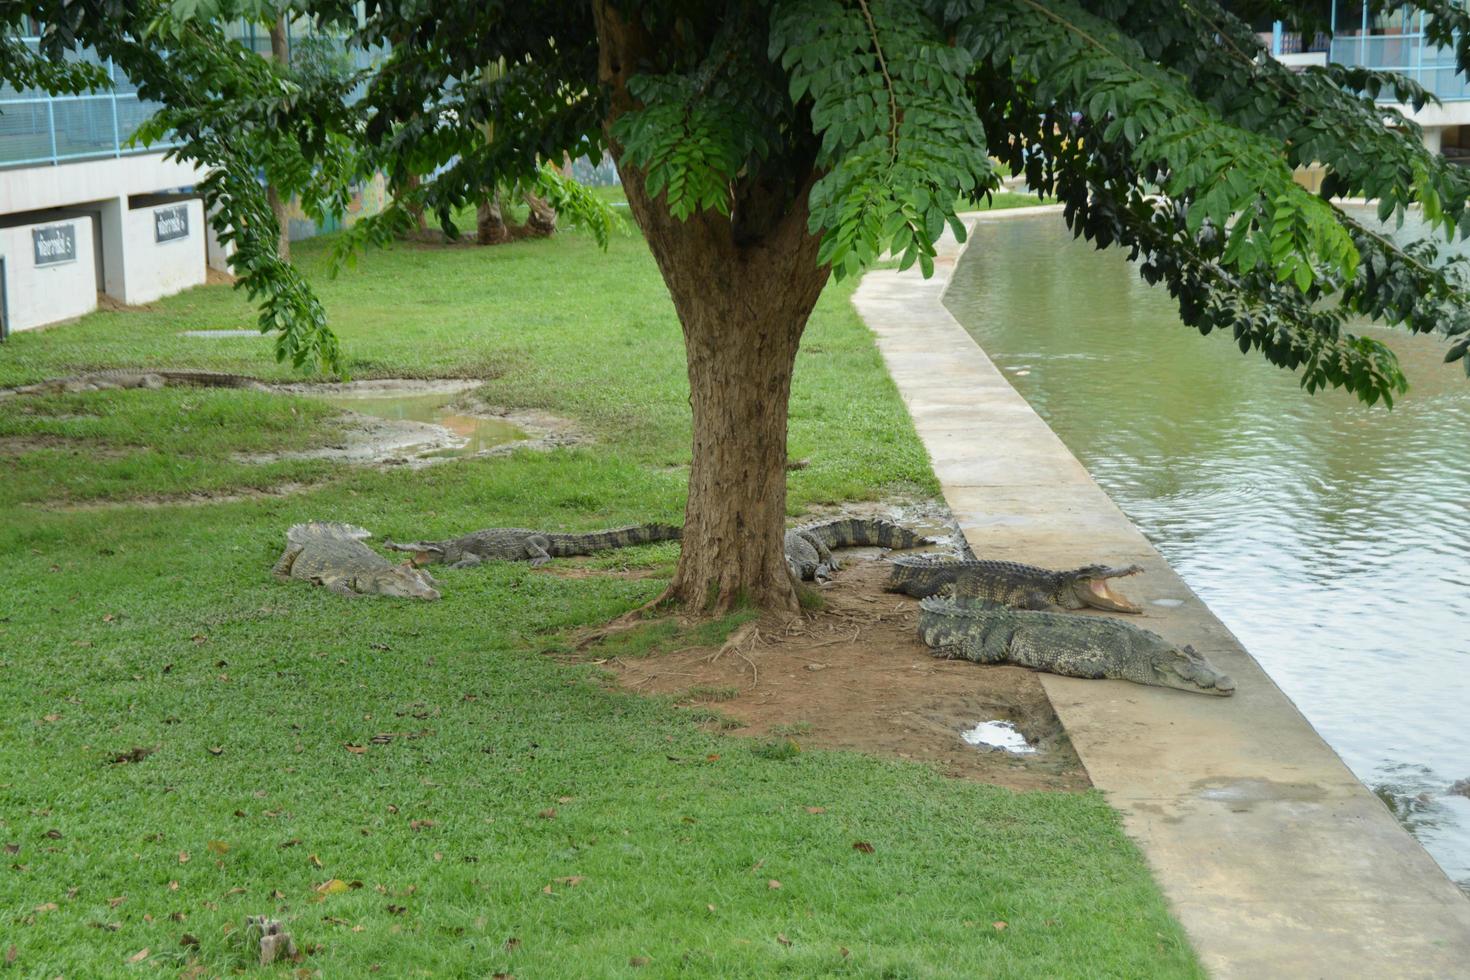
point(541, 221)
point(490, 226)
point(416, 210)
point(744, 285)
point(281, 55)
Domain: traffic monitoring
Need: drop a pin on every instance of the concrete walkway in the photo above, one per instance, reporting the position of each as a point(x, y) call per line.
point(1276, 859)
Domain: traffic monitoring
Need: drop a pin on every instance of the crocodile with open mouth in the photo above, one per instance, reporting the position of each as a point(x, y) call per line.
point(1011, 583)
point(1074, 646)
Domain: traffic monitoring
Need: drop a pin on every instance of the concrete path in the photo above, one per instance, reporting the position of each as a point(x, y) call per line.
point(1276, 859)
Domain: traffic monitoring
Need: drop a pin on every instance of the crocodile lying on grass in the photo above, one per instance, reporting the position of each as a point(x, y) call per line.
point(1011, 583)
point(809, 548)
point(521, 544)
point(134, 378)
point(332, 555)
point(1075, 646)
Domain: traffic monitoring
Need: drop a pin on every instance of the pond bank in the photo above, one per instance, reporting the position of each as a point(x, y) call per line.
point(1277, 860)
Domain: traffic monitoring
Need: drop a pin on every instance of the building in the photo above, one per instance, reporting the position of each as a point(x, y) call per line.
point(1391, 41)
point(84, 214)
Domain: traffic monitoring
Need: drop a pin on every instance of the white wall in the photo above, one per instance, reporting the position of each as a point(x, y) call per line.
point(153, 269)
point(37, 188)
point(39, 295)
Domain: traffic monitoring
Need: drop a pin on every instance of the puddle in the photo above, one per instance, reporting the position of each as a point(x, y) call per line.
point(220, 334)
point(471, 433)
point(404, 422)
point(998, 735)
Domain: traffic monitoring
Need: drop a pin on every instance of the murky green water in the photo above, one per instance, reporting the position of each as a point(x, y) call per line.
point(477, 433)
point(1331, 538)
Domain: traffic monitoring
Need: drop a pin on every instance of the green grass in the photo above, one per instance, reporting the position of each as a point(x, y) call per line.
point(503, 770)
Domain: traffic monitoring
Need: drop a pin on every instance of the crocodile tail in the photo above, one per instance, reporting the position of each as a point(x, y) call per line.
point(919, 575)
point(848, 531)
point(317, 530)
point(563, 545)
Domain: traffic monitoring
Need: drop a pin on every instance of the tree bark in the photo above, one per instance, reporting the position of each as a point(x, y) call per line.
point(490, 228)
point(281, 55)
point(541, 221)
point(744, 285)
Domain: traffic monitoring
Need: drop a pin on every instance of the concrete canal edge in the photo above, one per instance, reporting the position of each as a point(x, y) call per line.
point(1273, 855)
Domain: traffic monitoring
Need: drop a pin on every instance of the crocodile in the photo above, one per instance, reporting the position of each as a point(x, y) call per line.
point(1011, 583)
point(809, 548)
point(521, 544)
point(1075, 646)
point(333, 555)
point(134, 378)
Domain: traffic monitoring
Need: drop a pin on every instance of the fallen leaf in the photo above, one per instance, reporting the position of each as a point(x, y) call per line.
point(512, 944)
point(816, 809)
point(316, 862)
point(712, 757)
point(178, 916)
point(173, 886)
point(637, 961)
point(54, 834)
point(10, 955)
point(12, 848)
point(290, 843)
point(773, 884)
point(135, 754)
point(199, 638)
point(277, 894)
point(863, 846)
point(397, 909)
point(237, 890)
point(417, 825)
point(183, 857)
point(48, 907)
point(216, 750)
point(139, 956)
point(333, 886)
point(108, 618)
point(571, 881)
point(781, 938)
point(844, 951)
point(548, 814)
point(50, 718)
point(998, 926)
point(354, 749)
point(189, 939)
point(503, 976)
point(218, 846)
point(113, 903)
point(710, 907)
point(546, 890)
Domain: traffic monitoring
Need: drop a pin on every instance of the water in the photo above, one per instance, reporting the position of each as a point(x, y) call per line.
point(998, 735)
point(472, 432)
point(1330, 537)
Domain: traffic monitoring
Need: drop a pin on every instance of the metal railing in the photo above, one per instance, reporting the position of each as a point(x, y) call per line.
point(37, 128)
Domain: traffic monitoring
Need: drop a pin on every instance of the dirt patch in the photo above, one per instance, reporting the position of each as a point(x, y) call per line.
point(20, 445)
point(365, 438)
point(197, 499)
point(855, 676)
point(112, 304)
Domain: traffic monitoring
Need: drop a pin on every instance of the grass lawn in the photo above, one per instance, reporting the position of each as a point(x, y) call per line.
point(437, 789)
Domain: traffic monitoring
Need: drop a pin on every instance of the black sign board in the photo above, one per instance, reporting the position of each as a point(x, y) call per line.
point(55, 244)
point(170, 224)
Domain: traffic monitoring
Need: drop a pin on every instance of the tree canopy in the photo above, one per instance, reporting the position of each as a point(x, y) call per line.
point(1164, 128)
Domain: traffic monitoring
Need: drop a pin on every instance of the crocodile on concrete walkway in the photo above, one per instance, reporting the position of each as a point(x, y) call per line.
point(1011, 583)
point(134, 378)
point(809, 548)
point(521, 544)
point(1075, 646)
point(332, 555)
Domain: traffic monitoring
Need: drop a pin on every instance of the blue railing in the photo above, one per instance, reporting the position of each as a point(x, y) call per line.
point(36, 128)
point(1408, 54)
